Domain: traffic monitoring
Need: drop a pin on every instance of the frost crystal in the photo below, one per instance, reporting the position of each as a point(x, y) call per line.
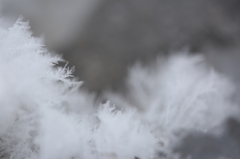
point(177, 94)
point(44, 115)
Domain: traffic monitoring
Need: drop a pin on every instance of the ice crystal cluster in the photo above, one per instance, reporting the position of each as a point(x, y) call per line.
point(44, 114)
point(177, 94)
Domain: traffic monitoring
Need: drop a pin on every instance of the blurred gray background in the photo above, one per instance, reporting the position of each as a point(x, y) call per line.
point(103, 38)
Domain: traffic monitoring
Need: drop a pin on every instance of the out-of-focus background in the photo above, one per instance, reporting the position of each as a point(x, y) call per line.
point(103, 38)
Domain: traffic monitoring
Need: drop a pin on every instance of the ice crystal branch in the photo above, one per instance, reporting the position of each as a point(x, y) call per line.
point(44, 114)
point(178, 93)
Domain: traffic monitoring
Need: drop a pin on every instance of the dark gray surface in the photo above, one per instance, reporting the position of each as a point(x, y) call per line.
point(205, 146)
point(123, 31)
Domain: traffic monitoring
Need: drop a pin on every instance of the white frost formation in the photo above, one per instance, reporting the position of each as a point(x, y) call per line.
point(44, 115)
point(177, 93)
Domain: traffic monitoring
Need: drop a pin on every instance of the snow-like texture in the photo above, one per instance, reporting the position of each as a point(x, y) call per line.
point(44, 115)
point(122, 134)
point(176, 94)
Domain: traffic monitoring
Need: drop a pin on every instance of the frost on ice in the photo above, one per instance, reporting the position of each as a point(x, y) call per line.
point(44, 115)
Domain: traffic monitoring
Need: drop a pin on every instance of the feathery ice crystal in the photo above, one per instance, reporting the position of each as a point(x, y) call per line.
point(176, 94)
point(44, 115)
